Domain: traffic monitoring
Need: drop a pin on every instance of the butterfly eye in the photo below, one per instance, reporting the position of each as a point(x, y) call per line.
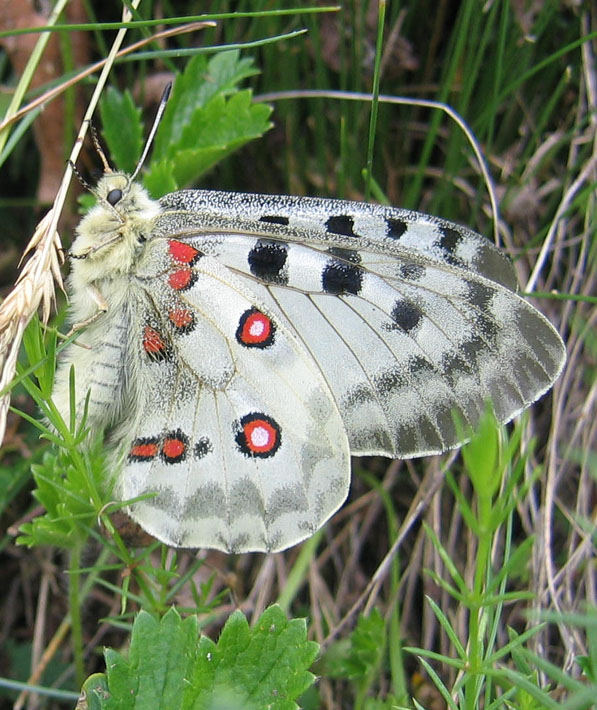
point(114, 196)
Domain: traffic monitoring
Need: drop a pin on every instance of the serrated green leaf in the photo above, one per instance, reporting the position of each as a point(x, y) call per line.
point(212, 132)
point(267, 664)
point(168, 666)
point(161, 656)
point(160, 180)
point(200, 82)
point(94, 693)
point(121, 128)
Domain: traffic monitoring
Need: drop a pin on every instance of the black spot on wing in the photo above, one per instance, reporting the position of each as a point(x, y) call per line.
point(267, 260)
point(479, 295)
point(357, 395)
point(486, 326)
point(419, 365)
point(448, 242)
point(453, 367)
point(449, 239)
point(471, 348)
point(389, 380)
point(396, 228)
point(274, 219)
point(411, 272)
point(202, 447)
point(341, 224)
point(339, 277)
point(405, 315)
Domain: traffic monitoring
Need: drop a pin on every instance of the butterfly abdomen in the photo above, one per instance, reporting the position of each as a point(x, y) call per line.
point(101, 358)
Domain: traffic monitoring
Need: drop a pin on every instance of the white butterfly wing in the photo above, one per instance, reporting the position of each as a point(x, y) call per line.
point(388, 232)
point(235, 428)
point(251, 342)
point(275, 335)
point(405, 336)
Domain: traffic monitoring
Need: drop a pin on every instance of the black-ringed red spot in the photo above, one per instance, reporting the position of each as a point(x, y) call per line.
point(183, 319)
point(144, 448)
point(259, 435)
point(182, 279)
point(175, 447)
point(183, 253)
point(255, 329)
point(154, 345)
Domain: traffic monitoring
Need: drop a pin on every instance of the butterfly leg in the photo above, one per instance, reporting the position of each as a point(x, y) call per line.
point(102, 307)
point(96, 247)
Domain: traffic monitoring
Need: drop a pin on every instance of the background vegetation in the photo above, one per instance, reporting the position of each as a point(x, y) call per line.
point(463, 581)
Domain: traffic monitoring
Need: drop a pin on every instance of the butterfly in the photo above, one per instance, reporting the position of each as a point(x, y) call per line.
point(239, 348)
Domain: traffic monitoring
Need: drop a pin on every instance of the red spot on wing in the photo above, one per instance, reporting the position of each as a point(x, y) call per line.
point(144, 449)
point(181, 279)
point(255, 329)
point(183, 253)
point(259, 435)
point(154, 344)
point(182, 319)
point(174, 448)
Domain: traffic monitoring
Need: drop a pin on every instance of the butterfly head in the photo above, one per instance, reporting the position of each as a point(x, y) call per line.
point(115, 228)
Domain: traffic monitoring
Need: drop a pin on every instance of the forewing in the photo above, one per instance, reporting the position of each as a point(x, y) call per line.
point(406, 235)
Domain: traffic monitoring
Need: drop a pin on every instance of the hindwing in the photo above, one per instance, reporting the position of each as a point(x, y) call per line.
point(236, 430)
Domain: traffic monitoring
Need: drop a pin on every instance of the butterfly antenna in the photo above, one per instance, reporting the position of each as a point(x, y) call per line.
point(99, 149)
point(154, 128)
point(80, 177)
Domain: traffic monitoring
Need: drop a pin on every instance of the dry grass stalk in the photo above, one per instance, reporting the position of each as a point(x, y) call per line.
point(35, 286)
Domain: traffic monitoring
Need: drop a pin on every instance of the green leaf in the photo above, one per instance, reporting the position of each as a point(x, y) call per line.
point(215, 131)
point(121, 128)
point(356, 657)
point(481, 456)
point(94, 693)
point(206, 119)
point(161, 656)
point(265, 666)
point(169, 666)
point(200, 82)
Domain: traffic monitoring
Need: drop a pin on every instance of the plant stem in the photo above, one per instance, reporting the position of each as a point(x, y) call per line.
point(476, 631)
point(75, 612)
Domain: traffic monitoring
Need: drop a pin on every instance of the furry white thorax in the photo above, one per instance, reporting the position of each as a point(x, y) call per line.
point(108, 242)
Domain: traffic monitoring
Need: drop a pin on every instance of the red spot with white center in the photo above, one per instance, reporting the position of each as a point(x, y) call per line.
point(174, 448)
point(259, 435)
point(183, 253)
point(182, 279)
point(154, 344)
point(255, 329)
